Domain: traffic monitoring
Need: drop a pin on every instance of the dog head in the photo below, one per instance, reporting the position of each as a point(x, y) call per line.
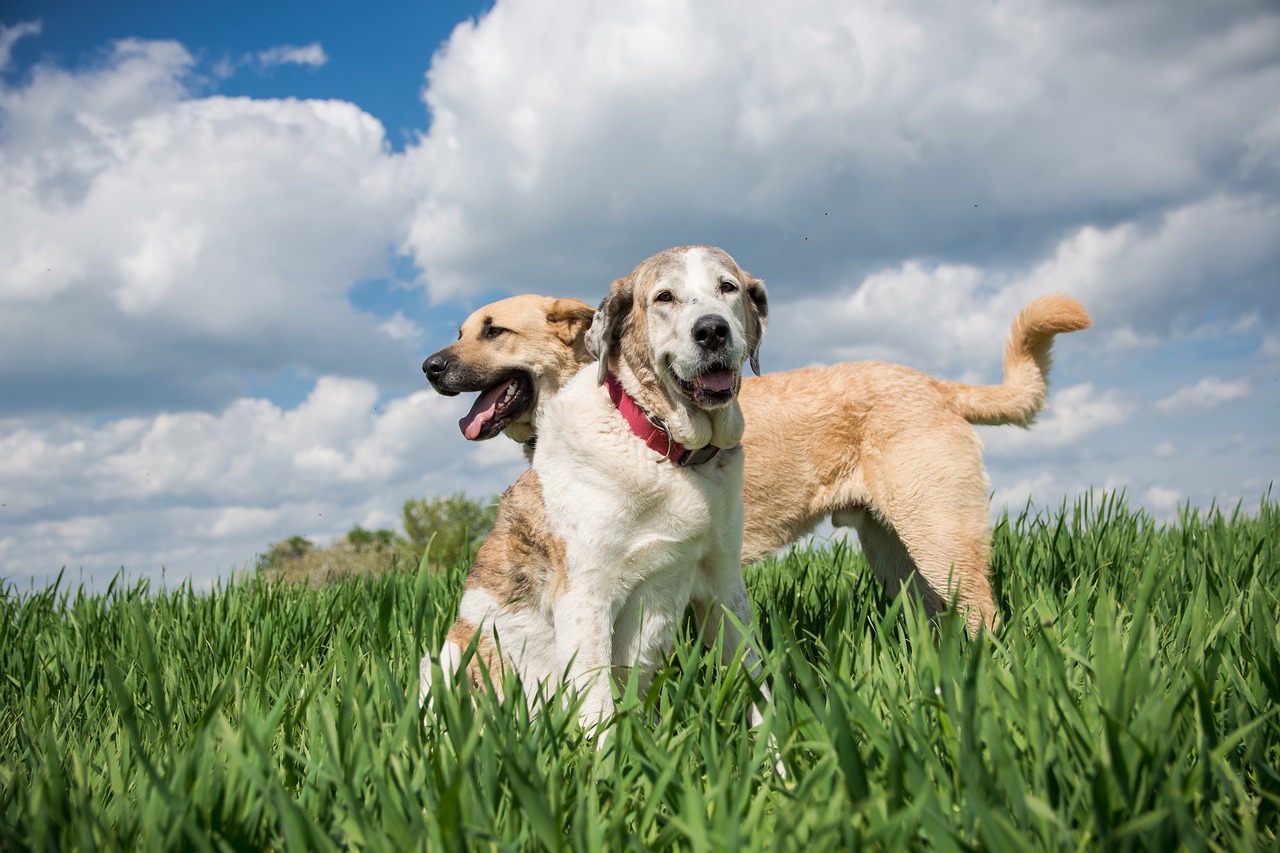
point(518, 353)
point(676, 332)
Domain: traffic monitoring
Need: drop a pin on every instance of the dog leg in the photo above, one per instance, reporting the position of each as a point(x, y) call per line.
point(890, 561)
point(737, 603)
point(928, 513)
point(712, 622)
point(450, 659)
point(958, 570)
point(943, 557)
point(584, 652)
point(424, 680)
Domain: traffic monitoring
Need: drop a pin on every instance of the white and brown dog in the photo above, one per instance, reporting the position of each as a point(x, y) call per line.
point(632, 509)
point(879, 447)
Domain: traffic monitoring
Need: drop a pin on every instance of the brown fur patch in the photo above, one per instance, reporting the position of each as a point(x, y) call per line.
point(522, 560)
point(486, 659)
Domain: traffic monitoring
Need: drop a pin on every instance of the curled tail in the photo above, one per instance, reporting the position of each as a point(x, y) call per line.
point(1027, 359)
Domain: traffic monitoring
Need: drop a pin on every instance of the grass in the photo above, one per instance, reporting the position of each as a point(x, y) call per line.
point(1128, 702)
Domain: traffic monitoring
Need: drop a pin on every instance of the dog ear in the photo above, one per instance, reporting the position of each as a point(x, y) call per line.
point(570, 318)
point(606, 327)
point(757, 306)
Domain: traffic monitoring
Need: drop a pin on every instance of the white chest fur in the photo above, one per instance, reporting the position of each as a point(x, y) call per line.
point(642, 536)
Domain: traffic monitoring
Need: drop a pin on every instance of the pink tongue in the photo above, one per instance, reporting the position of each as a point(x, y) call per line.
point(719, 380)
point(483, 410)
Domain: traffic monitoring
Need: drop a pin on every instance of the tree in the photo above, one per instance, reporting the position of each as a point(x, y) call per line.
point(380, 540)
point(283, 552)
point(458, 523)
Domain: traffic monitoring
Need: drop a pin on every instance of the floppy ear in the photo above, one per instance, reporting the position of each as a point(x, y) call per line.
point(757, 305)
point(570, 319)
point(606, 328)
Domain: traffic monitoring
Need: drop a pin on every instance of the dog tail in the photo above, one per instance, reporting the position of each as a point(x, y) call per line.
point(1027, 359)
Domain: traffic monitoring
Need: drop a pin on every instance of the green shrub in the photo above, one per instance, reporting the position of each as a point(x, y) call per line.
point(445, 529)
point(382, 539)
point(452, 527)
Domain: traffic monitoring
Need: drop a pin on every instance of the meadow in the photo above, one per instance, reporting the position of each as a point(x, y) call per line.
point(1127, 702)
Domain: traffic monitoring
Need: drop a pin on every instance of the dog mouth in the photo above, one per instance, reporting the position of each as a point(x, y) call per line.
point(709, 389)
point(497, 407)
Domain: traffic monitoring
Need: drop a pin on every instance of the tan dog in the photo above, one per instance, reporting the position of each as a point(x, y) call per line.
point(494, 354)
point(879, 447)
point(617, 528)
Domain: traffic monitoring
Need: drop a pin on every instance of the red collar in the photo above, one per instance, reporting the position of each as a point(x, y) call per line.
point(652, 431)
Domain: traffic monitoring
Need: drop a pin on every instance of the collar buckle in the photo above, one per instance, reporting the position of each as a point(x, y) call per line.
point(697, 457)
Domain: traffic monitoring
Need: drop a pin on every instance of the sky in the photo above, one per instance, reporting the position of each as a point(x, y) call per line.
point(232, 232)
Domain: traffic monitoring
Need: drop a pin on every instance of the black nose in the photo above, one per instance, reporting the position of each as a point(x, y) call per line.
point(435, 366)
point(711, 332)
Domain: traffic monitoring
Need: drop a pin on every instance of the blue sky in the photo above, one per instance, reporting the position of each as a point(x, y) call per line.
point(233, 232)
point(376, 52)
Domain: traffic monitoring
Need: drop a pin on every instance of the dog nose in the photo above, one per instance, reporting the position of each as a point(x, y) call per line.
point(711, 332)
point(435, 366)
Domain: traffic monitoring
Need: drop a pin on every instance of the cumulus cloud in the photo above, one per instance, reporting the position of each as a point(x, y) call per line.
point(222, 232)
point(10, 35)
point(905, 178)
point(311, 55)
point(928, 316)
point(1210, 392)
point(1074, 414)
point(1144, 286)
point(1262, 156)
point(1161, 498)
point(1166, 275)
point(198, 492)
point(401, 328)
point(1015, 495)
point(829, 137)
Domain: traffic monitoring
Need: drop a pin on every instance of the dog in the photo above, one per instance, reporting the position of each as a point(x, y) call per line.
point(882, 448)
point(632, 510)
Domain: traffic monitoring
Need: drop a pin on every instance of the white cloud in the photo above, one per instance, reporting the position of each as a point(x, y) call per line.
point(1073, 415)
point(224, 232)
point(1263, 147)
point(1016, 495)
point(1125, 338)
point(922, 130)
point(1161, 498)
point(401, 328)
point(1209, 256)
point(905, 177)
point(10, 35)
point(929, 317)
point(311, 55)
point(201, 492)
point(1143, 286)
point(1210, 392)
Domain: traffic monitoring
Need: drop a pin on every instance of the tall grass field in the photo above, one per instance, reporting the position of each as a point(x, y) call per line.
point(1127, 702)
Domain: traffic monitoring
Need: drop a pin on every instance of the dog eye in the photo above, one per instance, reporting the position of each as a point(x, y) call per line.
point(728, 287)
point(663, 296)
point(493, 331)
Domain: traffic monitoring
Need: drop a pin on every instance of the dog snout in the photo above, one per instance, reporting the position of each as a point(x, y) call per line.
point(711, 332)
point(436, 367)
